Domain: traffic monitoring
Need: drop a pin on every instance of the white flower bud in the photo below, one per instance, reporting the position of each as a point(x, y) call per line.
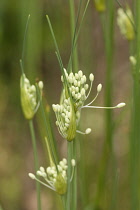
point(42, 169)
point(78, 96)
point(86, 86)
point(62, 79)
point(67, 120)
point(40, 85)
point(91, 77)
point(76, 76)
point(88, 130)
point(48, 170)
point(73, 163)
point(32, 176)
point(66, 125)
point(70, 80)
point(80, 73)
point(54, 175)
point(61, 163)
point(120, 105)
point(77, 89)
point(32, 88)
point(39, 173)
point(64, 160)
point(99, 88)
point(71, 75)
point(59, 168)
point(54, 107)
point(78, 84)
point(75, 82)
point(82, 81)
point(82, 91)
point(133, 60)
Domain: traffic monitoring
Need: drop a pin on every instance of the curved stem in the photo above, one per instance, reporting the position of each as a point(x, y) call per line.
point(35, 162)
point(93, 99)
point(69, 184)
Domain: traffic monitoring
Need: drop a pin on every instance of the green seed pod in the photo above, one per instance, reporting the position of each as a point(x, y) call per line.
point(125, 22)
point(100, 5)
point(29, 97)
point(60, 184)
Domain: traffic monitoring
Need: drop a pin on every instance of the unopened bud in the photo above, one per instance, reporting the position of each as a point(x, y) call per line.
point(88, 130)
point(100, 5)
point(99, 88)
point(91, 77)
point(133, 60)
point(32, 176)
point(125, 22)
point(120, 105)
point(60, 184)
point(40, 85)
point(73, 162)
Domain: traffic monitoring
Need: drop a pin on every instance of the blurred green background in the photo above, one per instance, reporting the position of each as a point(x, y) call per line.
point(17, 190)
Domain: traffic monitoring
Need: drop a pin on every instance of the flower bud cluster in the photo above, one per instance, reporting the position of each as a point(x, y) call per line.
point(125, 22)
point(78, 87)
point(29, 100)
point(55, 177)
point(63, 116)
point(69, 110)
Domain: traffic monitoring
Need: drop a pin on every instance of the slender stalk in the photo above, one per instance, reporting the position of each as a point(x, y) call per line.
point(69, 184)
point(63, 199)
point(74, 54)
point(35, 162)
point(108, 33)
point(49, 136)
point(135, 134)
point(72, 20)
point(109, 63)
point(74, 180)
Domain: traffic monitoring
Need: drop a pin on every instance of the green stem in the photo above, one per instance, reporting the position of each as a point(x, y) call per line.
point(72, 20)
point(63, 199)
point(72, 187)
point(135, 134)
point(108, 33)
point(35, 162)
point(69, 201)
point(74, 181)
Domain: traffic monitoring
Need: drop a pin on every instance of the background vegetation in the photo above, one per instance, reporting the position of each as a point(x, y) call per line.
point(105, 163)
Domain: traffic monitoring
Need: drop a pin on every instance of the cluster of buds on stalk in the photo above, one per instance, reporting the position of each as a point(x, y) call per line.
point(30, 100)
point(72, 101)
point(125, 22)
point(100, 5)
point(55, 176)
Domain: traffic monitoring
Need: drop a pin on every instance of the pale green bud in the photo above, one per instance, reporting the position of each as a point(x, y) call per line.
point(60, 184)
point(91, 77)
point(125, 22)
point(133, 60)
point(32, 176)
point(99, 88)
point(120, 105)
point(29, 100)
point(73, 163)
point(88, 130)
point(100, 5)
